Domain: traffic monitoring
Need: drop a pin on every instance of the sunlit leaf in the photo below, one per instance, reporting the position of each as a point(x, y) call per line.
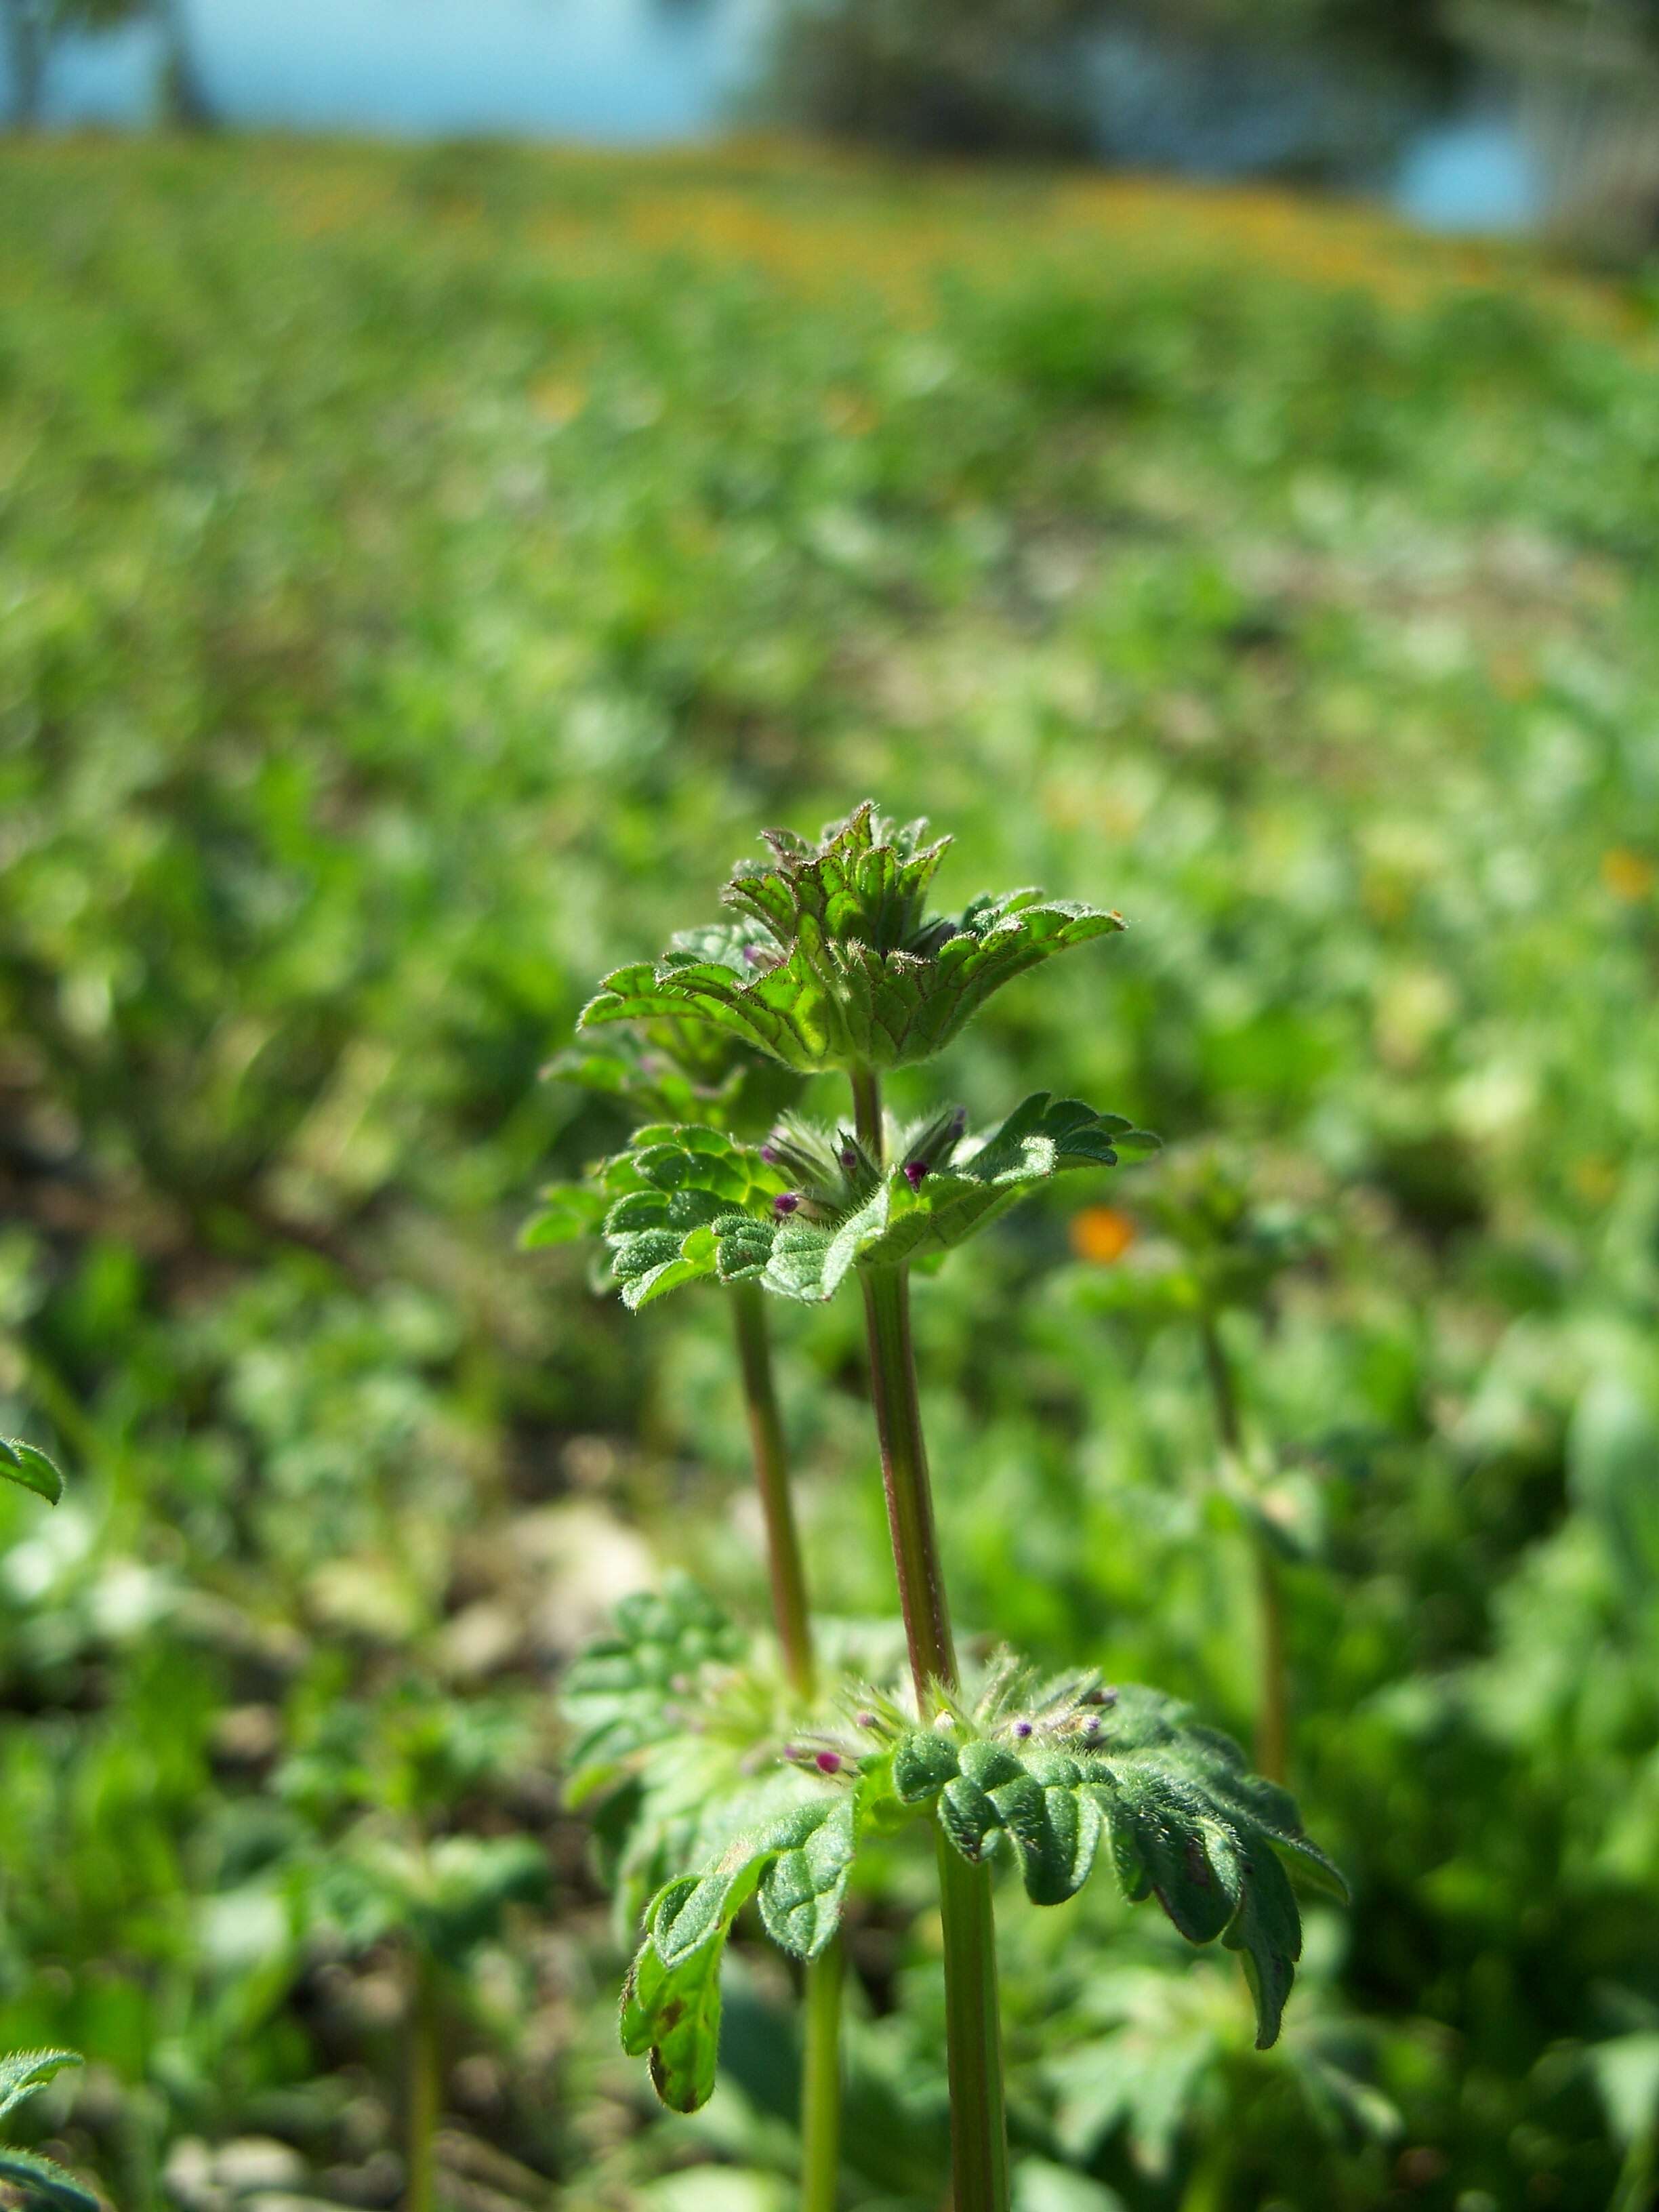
point(798, 1863)
point(29, 1467)
point(834, 962)
point(1185, 1821)
point(22, 2072)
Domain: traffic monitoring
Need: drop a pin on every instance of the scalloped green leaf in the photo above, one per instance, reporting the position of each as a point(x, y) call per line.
point(670, 2015)
point(1187, 1822)
point(28, 1466)
point(695, 1204)
point(797, 1862)
point(682, 1191)
point(835, 964)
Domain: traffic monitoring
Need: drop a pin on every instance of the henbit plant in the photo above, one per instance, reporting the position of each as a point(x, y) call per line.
point(665, 1067)
point(835, 964)
point(1218, 1249)
point(41, 2184)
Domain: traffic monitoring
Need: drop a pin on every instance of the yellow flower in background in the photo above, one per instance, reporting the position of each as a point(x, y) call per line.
point(1627, 875)
point(1102, 1234)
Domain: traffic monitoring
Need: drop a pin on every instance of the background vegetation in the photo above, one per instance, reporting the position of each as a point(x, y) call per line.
point(418, 571)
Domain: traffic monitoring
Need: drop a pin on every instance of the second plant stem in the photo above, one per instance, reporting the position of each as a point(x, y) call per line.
point(1273, 1722)
point(425, 2083)
point(979, 2132)
point(820, 2106)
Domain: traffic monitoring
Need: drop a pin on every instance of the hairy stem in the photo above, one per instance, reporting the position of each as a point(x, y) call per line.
point(1273, 1723)
point(783, 1558)
point(904, 1476)
point(820, 2108)
point(425, 2087)
point(979, 2131)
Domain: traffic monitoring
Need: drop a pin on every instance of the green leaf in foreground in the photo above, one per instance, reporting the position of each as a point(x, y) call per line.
point(833, 962)
point(40, 2183)
point(797, 1864)
point(23, 2072)
point(1185, 1820)
point(800, 1212)
point(29, 1467)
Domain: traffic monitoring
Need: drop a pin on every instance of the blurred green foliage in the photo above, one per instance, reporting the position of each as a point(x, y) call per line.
point(418, 571)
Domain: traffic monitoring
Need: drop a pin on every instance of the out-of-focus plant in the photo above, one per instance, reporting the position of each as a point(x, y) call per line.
point(1216, 1249)
point(378, 1781)
point(41, 2184)
point(834, 962)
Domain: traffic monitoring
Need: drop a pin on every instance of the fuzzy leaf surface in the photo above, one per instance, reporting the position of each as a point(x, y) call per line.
point(23, 2072)
point(1186, 1821)
point(42, 2185)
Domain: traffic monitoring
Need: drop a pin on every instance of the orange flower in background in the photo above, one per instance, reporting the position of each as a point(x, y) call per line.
point(1102, 1234)
point(1627, 874)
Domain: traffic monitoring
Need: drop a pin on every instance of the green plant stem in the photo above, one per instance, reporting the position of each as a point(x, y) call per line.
point(1273, 1723)
point(783, 1557)
point(979, 2131)
point(425, 2085)
point(820, 2092)
point(904, 1476)
point(973, 2035)
point(820, 2107)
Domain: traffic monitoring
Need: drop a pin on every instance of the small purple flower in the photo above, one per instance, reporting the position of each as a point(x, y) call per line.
point(915, 1172)
point(769, 1154)
point(1090, 1729)
point(828, 1762)
point(849, 1158)
point(868, 1720)
point(786, 1202)
point(752, 956)
point(1022, 1729)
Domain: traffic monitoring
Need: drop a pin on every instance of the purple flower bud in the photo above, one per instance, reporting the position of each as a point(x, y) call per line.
point(1090, 1729)
point(752, 956)
point(828, 1762)
point(915, 1171)
point(769, 1154)
point(849, 1158)
point(868, 1720)
point(1022, 1729)
point(791, 1751)
point(786, 1201)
